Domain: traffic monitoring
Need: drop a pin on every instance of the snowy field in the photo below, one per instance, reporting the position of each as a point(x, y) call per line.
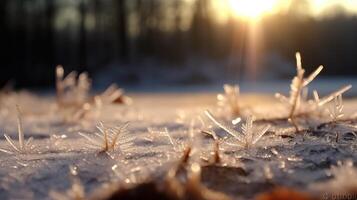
point(281, 157)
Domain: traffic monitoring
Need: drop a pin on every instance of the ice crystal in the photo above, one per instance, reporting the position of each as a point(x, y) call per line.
point(23, 146)
point(323, 101)
point(163, 133)
point(72, 94)
point(229, 101)
point(297, 86)
point(249, 136)
point(336, 112)
point(114, 94)
point(298, 100)
point(72, 90)
point(109, 138)
point(317, 105)
point(73, 98)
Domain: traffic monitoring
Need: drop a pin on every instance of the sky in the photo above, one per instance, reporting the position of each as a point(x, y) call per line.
point(318, 6)
point(258, 8)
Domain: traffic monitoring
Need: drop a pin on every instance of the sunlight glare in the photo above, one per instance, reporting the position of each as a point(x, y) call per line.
point(252, 9)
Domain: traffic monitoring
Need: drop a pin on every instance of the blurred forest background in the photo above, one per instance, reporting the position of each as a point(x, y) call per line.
point(185, 41)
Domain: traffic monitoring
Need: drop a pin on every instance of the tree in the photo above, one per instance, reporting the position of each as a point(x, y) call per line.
point(82, 37)
point(49, 49)
point(201, 24)
point(122, 29)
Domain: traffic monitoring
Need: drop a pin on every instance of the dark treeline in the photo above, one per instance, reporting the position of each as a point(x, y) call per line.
point(87, 35)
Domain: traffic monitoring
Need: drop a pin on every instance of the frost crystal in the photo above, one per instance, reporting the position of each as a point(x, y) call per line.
point(330, 97)
point(23, 146)
point(73, 99)
point(336, 112)
point(163, 133)
point(247, 138)
point(229, 101)
point(298, 100)
point(114, 94)
point(70, 89)
point(296, 87)
point(72, 94)
point(109, 138)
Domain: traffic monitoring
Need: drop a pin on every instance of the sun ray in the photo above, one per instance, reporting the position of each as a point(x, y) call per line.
point(252, 9)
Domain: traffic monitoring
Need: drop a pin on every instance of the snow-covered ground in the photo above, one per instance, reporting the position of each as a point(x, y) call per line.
point(292, 159)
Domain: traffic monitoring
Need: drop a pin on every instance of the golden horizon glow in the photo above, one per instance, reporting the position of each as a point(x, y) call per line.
point(319, 6)
point(252, 9)
point(256, 9)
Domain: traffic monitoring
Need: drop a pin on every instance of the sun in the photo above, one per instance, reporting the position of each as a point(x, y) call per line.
point(252, 9)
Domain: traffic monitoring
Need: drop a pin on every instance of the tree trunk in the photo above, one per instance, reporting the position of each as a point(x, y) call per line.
point(122, 30)
point(82, 38)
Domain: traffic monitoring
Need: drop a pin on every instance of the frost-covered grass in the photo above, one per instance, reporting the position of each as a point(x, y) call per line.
point(298, 102)
point(23, 146)
point(73, 98)
point(109, 138)
point(249, 135)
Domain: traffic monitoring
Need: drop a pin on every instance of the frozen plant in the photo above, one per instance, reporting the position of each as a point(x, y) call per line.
point(229, 101)
point(72, 90)
point(74, 99)
point(298, 100)
point(317, 106)
point(72, 94)
point(114, 94)
point(297, 86)
point(249, 136)
point(336, 112)
point(163, 133)
point(23, 146)
point(322, 101)
point(109, 138)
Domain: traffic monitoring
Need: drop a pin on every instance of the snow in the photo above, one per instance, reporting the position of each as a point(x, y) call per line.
point(285, 158)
